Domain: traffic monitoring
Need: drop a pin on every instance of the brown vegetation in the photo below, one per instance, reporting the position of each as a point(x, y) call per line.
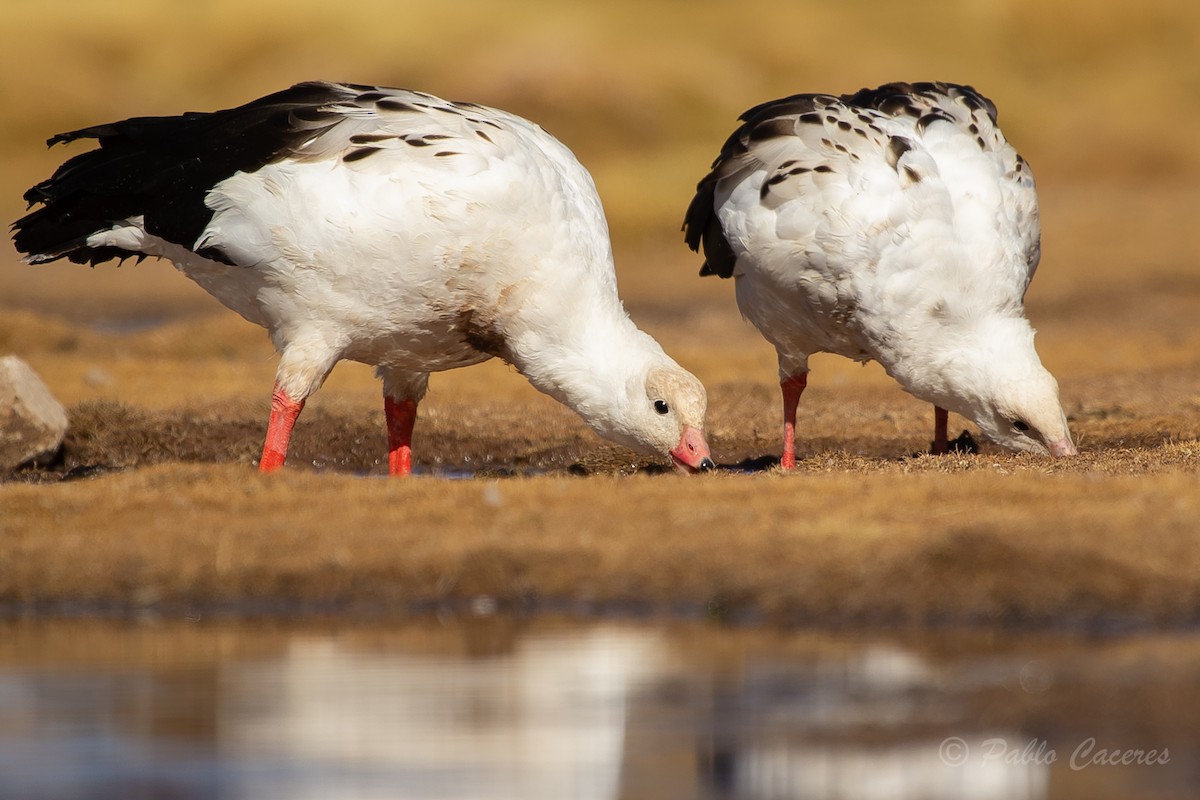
point(167, 418)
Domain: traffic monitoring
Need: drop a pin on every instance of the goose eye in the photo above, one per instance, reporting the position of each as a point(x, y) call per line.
point(661, 406)
point(1021, 425)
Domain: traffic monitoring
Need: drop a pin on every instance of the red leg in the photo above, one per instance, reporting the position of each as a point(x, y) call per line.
point(284, 411)
point(792, 388)
point(940, 438)
point(401, 416)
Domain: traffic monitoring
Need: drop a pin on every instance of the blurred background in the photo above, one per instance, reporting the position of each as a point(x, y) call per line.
point(1104, 102)
point(1103, 99)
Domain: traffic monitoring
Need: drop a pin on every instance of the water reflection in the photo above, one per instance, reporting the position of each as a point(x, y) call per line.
point(547, 719)
point(500, 709)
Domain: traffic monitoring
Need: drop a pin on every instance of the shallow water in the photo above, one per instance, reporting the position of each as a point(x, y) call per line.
point(495, 707)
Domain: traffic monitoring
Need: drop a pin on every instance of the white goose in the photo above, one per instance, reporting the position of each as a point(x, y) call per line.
point(384, 226)
point(896, 225)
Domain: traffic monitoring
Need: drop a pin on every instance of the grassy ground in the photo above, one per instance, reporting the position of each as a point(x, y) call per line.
point(172, 414)
point(853, 543)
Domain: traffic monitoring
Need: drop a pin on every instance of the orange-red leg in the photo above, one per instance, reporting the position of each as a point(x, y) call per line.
point(941, 440)
point(792, 388)
point(284, 411)
point(401, 417)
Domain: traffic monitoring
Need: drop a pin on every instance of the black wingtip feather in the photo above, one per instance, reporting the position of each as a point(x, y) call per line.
point(161, 168)
point(703, 232)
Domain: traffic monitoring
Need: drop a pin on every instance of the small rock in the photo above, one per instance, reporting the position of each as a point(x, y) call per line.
point(32, 421)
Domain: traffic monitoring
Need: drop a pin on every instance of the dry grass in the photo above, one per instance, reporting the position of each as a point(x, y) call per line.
point(1103, 105)
point(849, 544)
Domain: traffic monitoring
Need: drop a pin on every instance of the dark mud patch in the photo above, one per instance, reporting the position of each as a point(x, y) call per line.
point(854, 431)
point(106, 436)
